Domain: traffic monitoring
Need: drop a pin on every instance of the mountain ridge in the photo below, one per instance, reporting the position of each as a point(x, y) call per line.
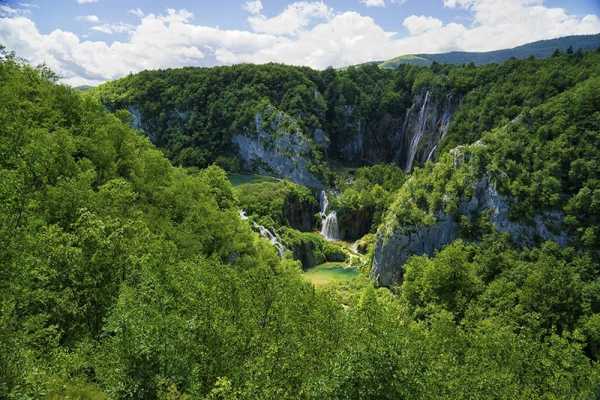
point(539, 49)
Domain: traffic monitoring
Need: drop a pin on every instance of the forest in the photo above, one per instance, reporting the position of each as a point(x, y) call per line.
point(129, 272)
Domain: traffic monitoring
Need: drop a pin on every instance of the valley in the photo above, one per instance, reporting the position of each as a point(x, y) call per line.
point(280, 232)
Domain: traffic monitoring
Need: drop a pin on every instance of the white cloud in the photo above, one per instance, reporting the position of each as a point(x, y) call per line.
point(87, 1)
point(113, 28)
point(253, 7)
point(380, 3)
point(137, 12)
point(517, 22)
point(7, 11)
point(89, 18)
point(307, 33)
point(418, 25)
point(295, 17)
point(373, 3)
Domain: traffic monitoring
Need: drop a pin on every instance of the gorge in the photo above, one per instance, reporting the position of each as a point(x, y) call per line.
point(278, 232)
point(324, 122)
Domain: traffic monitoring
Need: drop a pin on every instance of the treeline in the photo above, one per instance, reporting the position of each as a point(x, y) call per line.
point(124, 277)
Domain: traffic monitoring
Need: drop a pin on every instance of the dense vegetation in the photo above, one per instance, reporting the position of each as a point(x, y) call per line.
point(348, 117)
point(278, 204)
point(125, 277)
point(545, 166)
point(193, 113)
point(365, 197)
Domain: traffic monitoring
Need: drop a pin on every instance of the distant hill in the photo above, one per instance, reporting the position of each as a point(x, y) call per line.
point(541, 49)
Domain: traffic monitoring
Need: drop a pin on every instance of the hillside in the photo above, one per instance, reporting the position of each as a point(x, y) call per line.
point(540, 49)
point(465, 198)
point(258, 118)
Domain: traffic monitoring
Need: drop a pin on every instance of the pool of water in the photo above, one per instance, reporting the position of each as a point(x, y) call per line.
point(332, 272)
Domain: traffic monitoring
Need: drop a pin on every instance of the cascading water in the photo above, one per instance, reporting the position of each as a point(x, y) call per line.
point(267, 234)
point(414, 144)
point(330, 227)
point(329, 222)
point(324, 203)
point(431, 153)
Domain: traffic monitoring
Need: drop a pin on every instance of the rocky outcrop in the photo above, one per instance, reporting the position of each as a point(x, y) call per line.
point(278, 147)
point(299, 213)
point(308, 253)
point(175, 119)
point(354, 224)
point(136, 116)
point(392, 251)
point(276, 144)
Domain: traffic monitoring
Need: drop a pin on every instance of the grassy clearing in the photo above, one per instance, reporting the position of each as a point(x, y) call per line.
point(243, 179)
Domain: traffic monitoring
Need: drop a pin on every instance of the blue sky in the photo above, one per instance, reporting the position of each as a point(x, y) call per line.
point(90, 41)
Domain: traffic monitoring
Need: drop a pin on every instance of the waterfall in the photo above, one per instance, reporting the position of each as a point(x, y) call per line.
point(329, 222)
point(271, 237)
point(266, 233)
point(414, 144)
point(431, 153)
point(323, 202)
point(330, 227)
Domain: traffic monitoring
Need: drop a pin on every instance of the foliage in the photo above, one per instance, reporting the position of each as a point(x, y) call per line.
point(193, 113)
point(543, 164)
point(364, 198)
point(124, 277)
point(280, 203)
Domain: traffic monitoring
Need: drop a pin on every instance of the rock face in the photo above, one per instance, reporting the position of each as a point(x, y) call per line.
point(391, 253)
point(278, 147)
point(354, 225)
point(425, 125)
point(408, 141)
point(299, 214)
point(306, 252)
point(156, 133)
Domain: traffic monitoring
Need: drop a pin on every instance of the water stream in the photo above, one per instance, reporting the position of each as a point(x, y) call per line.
point(414, 144)
point(329, 222)
point(430, 155)
point(267, 234)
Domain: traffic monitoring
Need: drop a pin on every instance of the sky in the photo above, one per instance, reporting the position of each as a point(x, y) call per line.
point(91, 41)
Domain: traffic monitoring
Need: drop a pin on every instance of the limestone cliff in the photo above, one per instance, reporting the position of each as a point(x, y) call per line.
point(396, 245)
point(277, 146)
point(425, 125)
point(282, 145)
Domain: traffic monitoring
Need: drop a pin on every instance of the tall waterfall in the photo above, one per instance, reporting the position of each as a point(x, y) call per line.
point(267, 234)
point(329, 222)
point(414, 144)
